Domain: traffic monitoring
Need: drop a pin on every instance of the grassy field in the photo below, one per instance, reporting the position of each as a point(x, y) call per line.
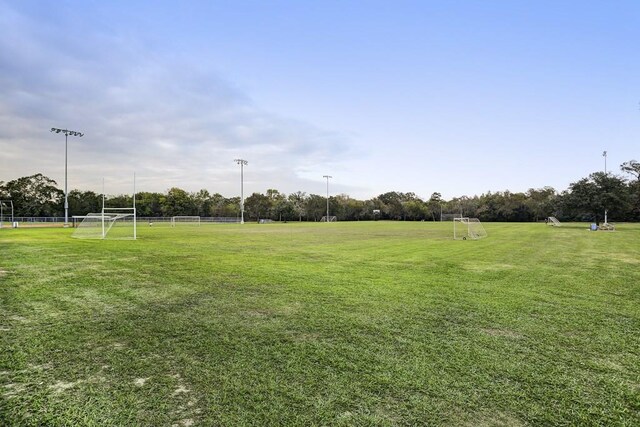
point(340, 324)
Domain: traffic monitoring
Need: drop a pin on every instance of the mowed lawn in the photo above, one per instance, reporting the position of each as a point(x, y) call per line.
point(372, 323)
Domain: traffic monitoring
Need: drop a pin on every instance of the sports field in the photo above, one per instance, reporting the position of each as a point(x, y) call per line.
point(376, 323)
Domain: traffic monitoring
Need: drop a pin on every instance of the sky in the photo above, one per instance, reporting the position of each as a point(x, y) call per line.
point(456, 97)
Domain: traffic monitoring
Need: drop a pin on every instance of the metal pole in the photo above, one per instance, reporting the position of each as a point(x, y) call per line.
point(241, 162)
point(327, 176)
point(135, 213)
point(241, 193)
point(66, 193)
point(604, 154)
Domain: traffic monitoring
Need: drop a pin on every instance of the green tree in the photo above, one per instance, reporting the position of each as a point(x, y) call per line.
point(178, 202)
point(316, 207)
point(84, 202)
point(35, 195)
point(298, 202)
point(631, 167)
point(588, 198)
point(257, 206)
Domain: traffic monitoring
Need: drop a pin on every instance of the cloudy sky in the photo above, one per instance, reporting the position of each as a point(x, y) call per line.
point(457, 97)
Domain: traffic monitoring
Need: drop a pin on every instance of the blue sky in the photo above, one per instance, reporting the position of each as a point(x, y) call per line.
point(458, 97)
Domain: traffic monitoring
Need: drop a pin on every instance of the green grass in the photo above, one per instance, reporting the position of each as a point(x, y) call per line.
point(321, 324)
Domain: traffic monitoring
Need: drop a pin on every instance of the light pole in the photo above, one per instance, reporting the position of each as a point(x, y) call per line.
point(66, 132)
point(242, 163)
point(604, 154)
point(327, 176)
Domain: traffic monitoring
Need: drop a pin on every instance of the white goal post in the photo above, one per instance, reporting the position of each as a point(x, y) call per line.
point(185, 219)
point(111, 223)
point(329, 219)
point(468, 228)
point(5, 207)
point(552, 220)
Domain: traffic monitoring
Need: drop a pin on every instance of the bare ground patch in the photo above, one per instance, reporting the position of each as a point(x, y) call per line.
point(187, 412)
point(61, 386)
point(501, 332)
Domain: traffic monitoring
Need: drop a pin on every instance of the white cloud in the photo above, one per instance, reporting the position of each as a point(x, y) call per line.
point(162, 115)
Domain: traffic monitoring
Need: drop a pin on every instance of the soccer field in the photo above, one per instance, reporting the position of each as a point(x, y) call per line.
point(372, 323)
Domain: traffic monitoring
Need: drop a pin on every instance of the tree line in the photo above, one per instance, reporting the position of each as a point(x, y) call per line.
point(584, 200)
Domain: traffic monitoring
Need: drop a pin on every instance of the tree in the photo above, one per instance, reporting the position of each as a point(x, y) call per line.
point(35, 195)
point(84, 202)
point(542, 202)
point(434, 206)
point(589, 197)
point(149, 204)
point(631, 167)
point(178, 202)
point(316, 207)
point(298, 201)
point(257, 206)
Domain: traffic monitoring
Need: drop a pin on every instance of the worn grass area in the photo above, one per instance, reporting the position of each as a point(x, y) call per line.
point(321, 324)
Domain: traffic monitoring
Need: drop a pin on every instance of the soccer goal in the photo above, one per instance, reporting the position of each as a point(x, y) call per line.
point(185, 220)
point(329, 219)
point(6, 212)
point(552, 220)
point(111, 223)
point(468, 228)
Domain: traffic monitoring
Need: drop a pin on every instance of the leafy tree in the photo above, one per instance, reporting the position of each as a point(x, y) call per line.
point(542, 202)
point(149, 204)
point(178, 202)
point(631, 167)
point(434, 206)
point(588, 198)
point(35, 195)
point(84, 202)
point(257, 206)
point(316, 207)
point(298, 202)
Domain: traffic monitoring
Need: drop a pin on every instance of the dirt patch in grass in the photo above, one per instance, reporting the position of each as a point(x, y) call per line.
point(499, 332)
point(13, 389)
point(494, 419)
point(188, 411)
point(487, 267)
point(61, 386)
point(140, 381)
point(187, 422)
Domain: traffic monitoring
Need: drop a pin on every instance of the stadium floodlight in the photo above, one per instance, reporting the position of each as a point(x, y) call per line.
point(66, 132)
point(327, 176)
point(242, 164)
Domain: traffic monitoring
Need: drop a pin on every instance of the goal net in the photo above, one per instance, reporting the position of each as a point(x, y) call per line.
point(468, 228)
point(185, 220)
point(552, 220)
point(6, 212)
point(329, 219)
point(111, 223)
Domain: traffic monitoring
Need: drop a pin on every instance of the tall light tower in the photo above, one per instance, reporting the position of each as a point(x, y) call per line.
point(242, 163)
point(604, 154)
point(327, 176)
point(66, 132)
